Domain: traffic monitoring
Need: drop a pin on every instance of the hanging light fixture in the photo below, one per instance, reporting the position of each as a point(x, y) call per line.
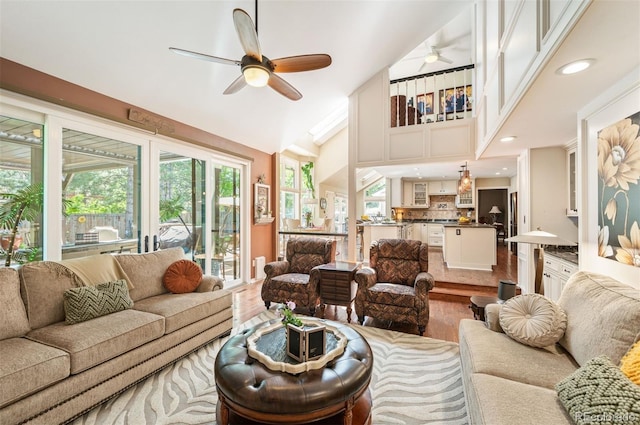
point(464, 184)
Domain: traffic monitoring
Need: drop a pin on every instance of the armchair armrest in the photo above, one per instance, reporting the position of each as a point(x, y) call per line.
point(424, 282)
point(366, 277)
point(492, 317)
point(210, 283)
point(276, 268)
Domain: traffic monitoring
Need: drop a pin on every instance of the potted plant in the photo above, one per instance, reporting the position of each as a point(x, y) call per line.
point(25, 204)
point(308, 178)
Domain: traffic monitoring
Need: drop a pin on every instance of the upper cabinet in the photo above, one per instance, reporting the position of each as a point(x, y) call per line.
point(468, 198)
point(443, 187)
point(572, 206)
point(415, 194)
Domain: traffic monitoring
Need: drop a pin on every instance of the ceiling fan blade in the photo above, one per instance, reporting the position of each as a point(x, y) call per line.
point(423, 67)
point(445, 60)
point(284, 88)
point(247, 34)
point(301, 63)
point(237, 84)
point(204, 57)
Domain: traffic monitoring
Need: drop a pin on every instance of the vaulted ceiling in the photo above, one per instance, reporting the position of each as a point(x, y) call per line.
point(121, 49)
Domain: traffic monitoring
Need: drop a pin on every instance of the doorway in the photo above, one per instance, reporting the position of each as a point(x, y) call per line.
point(487, 199)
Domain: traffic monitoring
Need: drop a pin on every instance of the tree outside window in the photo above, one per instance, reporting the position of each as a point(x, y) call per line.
point(374, 199)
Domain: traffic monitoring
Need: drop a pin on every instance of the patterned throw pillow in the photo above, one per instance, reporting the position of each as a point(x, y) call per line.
point(88, 302)
point(599, 393)
point(630, 363)
point(533, 320)
point(182, 276)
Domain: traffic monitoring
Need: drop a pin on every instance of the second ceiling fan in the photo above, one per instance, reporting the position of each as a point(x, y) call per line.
point(256, 69)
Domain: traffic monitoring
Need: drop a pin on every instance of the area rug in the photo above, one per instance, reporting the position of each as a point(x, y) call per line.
point(416, 380)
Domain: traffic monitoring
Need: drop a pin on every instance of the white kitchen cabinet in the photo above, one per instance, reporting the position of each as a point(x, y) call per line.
point(420, 196)
point(415, 194)
point(435, 234)
point(572, 206)
point(468, 198)
point(443, 187)
point(555, 274)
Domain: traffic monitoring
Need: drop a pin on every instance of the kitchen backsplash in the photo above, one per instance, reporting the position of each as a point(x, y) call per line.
point(442, 207)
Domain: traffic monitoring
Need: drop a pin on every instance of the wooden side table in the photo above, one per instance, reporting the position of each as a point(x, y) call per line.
point(478, 303)
point(337, 285)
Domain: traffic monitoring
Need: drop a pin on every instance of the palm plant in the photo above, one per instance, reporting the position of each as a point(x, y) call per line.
point(25, 204)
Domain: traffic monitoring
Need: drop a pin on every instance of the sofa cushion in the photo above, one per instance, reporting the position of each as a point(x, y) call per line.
point(485, 351)
point(12, 314)
point(598, 392)
point(97, 340)
point(603, 317)
point(630, 364)
point(147, 270)
point(89, 302)
point(180, 310)
point(42, 286)
point(492, 400)
point(182, 276)
point(27, 366)
point(533, 320)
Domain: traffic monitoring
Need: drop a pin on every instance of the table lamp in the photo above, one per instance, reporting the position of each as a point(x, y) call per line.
point(494, 212)
point(539, 238)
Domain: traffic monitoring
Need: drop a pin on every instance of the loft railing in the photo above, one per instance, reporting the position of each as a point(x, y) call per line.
point(433, 97)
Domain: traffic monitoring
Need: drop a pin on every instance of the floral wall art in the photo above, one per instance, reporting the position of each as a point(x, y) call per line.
point(619, 191)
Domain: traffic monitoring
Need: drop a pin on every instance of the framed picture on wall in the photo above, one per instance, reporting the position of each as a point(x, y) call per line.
point(456, 99)
point(262, 200)
point(424, 102)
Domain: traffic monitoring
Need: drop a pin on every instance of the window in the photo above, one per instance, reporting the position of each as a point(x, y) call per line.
point(374, 199)
point(21, 171)
point(289, 188)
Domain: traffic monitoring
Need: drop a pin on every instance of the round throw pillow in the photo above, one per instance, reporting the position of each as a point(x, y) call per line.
point(533, 320)
point(182, 276)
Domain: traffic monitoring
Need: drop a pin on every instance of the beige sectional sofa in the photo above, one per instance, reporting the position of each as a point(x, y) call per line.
point(51, 372)
point(506, 382)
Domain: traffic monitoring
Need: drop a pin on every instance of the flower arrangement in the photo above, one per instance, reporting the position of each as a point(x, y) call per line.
point(286, 312)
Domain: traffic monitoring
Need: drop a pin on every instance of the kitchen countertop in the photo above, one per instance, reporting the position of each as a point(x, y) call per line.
point(570, 256)
point(470, 225)
point(398, 224)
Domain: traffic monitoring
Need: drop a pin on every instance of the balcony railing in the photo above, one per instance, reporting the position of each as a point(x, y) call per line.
point(437, 96)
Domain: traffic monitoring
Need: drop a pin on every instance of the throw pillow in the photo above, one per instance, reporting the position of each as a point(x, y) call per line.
point(88, 302)
point(533, 320)
point(182, 276)
point(630, 363)
point(599, 393)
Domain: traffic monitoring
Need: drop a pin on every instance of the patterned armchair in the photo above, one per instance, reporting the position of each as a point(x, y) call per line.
point(296, 278)
point(396, 284)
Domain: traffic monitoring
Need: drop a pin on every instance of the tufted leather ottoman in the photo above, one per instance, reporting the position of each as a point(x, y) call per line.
point(249, 392)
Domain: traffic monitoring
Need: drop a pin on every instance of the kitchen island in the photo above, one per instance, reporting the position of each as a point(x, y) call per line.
point(469, 246)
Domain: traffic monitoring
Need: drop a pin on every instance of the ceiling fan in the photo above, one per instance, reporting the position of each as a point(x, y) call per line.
point(432, 56)
point(257, 69)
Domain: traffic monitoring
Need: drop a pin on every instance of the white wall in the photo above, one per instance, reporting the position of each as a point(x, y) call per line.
point(548, 183)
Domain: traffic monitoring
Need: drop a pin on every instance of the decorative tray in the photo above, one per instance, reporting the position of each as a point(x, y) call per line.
point(268, 346)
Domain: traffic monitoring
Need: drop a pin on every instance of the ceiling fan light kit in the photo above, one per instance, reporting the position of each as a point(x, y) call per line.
point(256, 69)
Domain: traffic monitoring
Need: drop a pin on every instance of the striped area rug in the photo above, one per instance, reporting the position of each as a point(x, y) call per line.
point(415, 380)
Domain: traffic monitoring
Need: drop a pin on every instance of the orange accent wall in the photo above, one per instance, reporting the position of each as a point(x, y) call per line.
point(30, 82)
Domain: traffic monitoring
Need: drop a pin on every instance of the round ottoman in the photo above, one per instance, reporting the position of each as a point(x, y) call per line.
point(249, 392)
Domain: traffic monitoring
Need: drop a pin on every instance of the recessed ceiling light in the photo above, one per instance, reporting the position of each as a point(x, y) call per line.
point(508, 139)
point(497, 173)
point(504, 168)
point(574, 67)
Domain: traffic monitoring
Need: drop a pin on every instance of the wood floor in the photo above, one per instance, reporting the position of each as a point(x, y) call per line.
point(445, 310)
